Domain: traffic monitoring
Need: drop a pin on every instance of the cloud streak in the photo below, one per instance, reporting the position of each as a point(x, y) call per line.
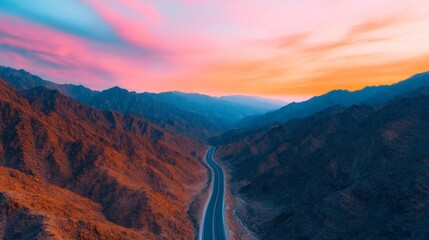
point(75, 18)
point(225, 47)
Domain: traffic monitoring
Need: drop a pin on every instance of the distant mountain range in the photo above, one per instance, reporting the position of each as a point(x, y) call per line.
point(229, 109)
point(263, 104)
point(343, 98)
point(195, 115)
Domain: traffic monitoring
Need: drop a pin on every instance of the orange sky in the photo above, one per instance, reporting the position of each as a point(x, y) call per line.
point(279, 48)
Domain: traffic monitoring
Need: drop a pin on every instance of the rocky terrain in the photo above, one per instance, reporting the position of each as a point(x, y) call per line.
point(89, 173)
point(30, 208)
point(343, 98)
point(355, 173)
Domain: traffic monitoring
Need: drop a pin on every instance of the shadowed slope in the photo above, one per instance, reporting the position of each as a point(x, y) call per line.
point(343, 98)
point(360, 173)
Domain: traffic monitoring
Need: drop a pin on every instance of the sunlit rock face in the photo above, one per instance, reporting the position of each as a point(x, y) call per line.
point(93, 173)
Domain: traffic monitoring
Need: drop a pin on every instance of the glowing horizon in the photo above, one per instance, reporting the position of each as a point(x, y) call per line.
point(277, 48)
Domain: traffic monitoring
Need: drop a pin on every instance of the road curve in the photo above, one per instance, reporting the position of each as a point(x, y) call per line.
point(213, 224)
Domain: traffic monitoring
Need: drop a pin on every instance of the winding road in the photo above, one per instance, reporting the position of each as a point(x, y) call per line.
point(213, 225)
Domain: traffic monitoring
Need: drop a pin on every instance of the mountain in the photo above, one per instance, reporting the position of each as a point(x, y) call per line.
point(229, 109)
point(263, 104)
point(68, 169)
point(355, 173)
point(344, 98)
point(23, 80)
point(175, 120)
point(195, 115)
point(168, 116)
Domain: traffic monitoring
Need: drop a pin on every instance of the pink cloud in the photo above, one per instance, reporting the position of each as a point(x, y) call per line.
point(131, 20)
point(212, 46)
point(43, 49)
point(66, 58)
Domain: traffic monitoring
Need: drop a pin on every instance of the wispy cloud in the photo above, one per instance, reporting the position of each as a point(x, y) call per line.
point(218, 47)
point(68, 16)
point(131, 20)
point(350, 77)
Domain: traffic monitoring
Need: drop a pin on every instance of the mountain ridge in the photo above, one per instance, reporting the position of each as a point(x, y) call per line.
point(371, 95)
point(199, 116)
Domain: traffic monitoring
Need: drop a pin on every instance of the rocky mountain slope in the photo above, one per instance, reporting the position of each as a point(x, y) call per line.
point(33, 209)
point(369, 96)
point(194, 115)
point(134, 179)
point(148, 106)
point(358, 173)
point(168, 116)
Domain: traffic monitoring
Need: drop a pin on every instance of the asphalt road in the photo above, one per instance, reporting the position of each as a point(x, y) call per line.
point(213, 227)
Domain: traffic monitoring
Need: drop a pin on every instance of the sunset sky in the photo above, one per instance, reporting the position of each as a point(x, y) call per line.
point(280, 48)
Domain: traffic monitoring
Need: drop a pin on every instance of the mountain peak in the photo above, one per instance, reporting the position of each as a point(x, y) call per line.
point(116, 90)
